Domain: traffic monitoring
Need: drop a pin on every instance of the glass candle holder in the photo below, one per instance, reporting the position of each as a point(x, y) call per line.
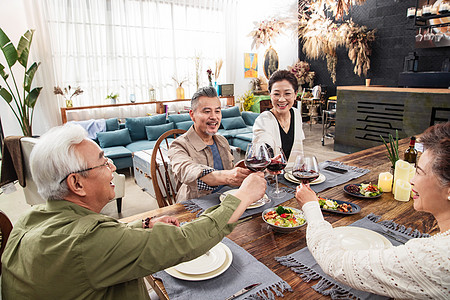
point(426, 9)
point(419, 12)
point(411, 12)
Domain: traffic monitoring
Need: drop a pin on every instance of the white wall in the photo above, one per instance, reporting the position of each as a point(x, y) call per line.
point(286, 44)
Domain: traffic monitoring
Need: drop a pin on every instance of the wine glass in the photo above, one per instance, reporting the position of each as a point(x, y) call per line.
point(306, 168)
point(419, 36)
point(278, 162)
point(257, 157)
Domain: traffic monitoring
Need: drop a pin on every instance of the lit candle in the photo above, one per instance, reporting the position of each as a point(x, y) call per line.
point(402, 169)
point(385, 181)
point(412, 171)
point(402, 190)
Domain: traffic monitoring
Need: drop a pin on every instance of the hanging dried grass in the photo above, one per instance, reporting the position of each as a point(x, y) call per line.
point(265, 31)
point(358, 43)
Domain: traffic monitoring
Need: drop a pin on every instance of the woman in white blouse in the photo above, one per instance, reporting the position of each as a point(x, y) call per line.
point(282, 125)
point(419, 269)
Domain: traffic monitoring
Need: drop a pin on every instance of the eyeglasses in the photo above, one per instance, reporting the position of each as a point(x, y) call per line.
point(287, 95)
point(109, 163)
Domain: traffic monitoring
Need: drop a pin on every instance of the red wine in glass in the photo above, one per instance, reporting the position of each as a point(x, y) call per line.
point(256, 165)
point(305, 176)
point(306, 168)
point(257, 157)
point(276, 165)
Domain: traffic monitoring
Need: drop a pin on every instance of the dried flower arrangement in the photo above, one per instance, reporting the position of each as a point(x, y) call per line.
point(210, 74)
point(359, 47)
point(219, 64)
point(67, 92)
point(339, 8)
point(248, 99)
point(179, 82)
point(303, 73)
point(265, 31)
point(198, 69)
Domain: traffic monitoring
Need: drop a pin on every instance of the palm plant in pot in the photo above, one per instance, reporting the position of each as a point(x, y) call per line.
point(21, 100)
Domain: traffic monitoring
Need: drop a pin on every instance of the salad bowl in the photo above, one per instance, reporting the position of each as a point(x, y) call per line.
point(283, 219)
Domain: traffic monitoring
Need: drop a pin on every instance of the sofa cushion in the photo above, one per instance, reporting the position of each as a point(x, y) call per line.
point(236, 142)
point(141, 145)
point(184, 125)
point(119, 137)
point(176, 118)
point(245, 136)
point(233, 132)
point(116, 152)
point(112, 124)
point(233, 123)
point(249, 117)
point(231, 112)
point(154, 132)
point(137, 125)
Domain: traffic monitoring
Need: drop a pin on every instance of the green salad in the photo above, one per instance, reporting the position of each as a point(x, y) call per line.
point(369, 190)
point(284, 217)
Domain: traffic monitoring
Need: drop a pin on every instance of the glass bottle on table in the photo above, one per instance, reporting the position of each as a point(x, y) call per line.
point(411, 152)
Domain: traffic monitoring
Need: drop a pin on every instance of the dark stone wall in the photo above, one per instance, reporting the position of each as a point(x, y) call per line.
point(394, 39)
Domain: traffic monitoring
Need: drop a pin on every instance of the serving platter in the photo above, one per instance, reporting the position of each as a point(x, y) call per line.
point(355, 208)
point(198, 277)
point(359, 195)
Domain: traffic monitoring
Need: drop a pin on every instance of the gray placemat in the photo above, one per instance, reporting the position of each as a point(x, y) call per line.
point(199, 205)
point(332, 178)
point(244, 271)
point(303, 263)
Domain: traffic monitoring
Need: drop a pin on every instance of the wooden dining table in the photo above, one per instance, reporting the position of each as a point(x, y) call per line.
point(260, 241)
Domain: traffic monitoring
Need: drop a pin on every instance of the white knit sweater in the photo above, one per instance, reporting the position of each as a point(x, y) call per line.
point(420, 269)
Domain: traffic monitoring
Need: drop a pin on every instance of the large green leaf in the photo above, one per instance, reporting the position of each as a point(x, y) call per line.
point(30, 99)
point(6, 95)
point(8, 49)
point(3, 73)
point(23, 48)
point(29, 75)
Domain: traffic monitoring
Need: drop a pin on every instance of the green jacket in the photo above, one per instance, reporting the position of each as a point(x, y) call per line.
point(60, 250)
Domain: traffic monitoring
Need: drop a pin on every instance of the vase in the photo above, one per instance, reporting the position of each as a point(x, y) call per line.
point(180, 92)
point(210, 83)
point(69, 103)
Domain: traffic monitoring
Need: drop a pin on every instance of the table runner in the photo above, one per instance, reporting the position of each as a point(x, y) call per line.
point(244, 270)
point(303, 263)
point(199, 205)
point(333, 179)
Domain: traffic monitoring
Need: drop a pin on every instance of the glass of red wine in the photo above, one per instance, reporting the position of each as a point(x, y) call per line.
point(306, 168)
point(277, 163)
point(257, 157)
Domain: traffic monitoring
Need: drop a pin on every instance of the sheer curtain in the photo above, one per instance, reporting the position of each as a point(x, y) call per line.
point(127, 46)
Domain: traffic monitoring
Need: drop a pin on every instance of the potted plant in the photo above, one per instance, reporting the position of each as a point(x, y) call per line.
point(113, 97)
point(21, 98)
point(67, 94)
point(392, 148)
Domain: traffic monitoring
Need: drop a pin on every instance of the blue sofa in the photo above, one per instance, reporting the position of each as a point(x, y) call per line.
point(120, 141)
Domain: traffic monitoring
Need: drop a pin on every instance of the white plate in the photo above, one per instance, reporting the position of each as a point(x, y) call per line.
point(357, 238)
point(291, 178)
point(228, 259)
point(206, 263)
point(256, 204)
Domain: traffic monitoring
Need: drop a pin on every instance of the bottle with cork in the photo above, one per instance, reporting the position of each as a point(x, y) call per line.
point(411, 152)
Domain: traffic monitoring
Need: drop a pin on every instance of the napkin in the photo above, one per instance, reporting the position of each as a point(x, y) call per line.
point(303, 263)
point(333, 179)
point(244, 270)
point(199, 205)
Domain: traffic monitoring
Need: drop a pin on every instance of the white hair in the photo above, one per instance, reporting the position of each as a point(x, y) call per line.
point(54, 157)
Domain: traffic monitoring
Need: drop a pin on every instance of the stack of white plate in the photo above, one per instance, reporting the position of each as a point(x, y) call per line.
point(216, 261)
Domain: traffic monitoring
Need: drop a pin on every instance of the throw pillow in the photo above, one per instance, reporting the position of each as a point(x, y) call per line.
point(119, 137)
point(249, 117)
point(137, 125)
point(154, 132)
point(179, 118)
point(231, 112)
point(233, 123)
point(184, 125)
point(112, 124)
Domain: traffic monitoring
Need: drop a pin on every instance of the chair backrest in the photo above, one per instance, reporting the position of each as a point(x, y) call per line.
point(31, 192)
point(5, 230)
point(160, 170)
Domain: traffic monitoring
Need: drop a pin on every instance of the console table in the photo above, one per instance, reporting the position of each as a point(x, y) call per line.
point(159, 106)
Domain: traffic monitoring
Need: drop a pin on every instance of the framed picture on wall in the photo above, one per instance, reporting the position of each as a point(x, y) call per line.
point(270, 62)
point(250, 65)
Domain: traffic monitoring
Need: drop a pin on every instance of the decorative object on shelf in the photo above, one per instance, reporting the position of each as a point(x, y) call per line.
point(151, 93)
point(265, 31)
point(132, 98)
point(180, 89)
point(270, 62)
point(68, 93)
point(219, 64)
point(210, 74)
point(198, 69)
point(303, 73)
point(23, 106)
point(113, 98)
point(392, 148)
point(248, 99)
point(250, 65)
point(358, 43)
point(411, 12)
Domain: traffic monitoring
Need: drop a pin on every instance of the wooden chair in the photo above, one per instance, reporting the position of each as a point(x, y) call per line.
point(5, 230)
point(165, 188)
